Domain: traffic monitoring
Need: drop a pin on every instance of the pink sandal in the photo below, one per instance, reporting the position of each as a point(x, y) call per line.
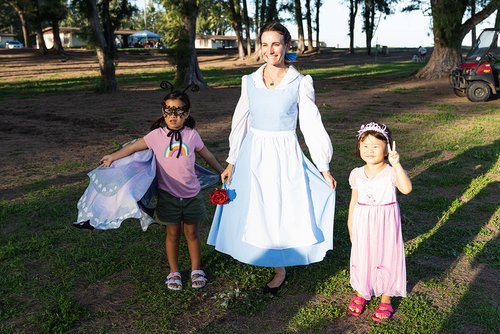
point(358, 307)
point(385, 310)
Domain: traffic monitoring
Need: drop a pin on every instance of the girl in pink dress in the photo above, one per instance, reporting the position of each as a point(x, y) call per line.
point(377, 265)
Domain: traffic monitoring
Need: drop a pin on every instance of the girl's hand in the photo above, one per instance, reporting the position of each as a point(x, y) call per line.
point(227, 173)
point(106, 161)
point(329, 179)
point(393, 154)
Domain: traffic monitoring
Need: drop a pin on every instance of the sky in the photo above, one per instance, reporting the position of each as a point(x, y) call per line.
point(395, 30)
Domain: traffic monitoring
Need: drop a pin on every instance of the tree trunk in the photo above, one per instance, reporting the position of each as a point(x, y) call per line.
point(449, 31)
point(271, 11)
point(21, 12)
point(42, 47)
point(263, 11)
point(234, 13)
point(301, 47)
point(318, 6)
point(246, 21)
point(368, 24)
point(353, 12)
point(187, 68)
point(103, 51)
point(310, 46)
point(472, 13)
point(258, 14)
point(58, 48)
point(497, 21)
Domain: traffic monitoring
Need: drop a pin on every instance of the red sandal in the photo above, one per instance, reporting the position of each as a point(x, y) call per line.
point(385, 310)
point(358, 304)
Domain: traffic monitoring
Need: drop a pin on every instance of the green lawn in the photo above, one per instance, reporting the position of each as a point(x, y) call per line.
point(55, 278)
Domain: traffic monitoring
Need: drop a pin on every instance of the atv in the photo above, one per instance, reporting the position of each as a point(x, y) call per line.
point(478, 76)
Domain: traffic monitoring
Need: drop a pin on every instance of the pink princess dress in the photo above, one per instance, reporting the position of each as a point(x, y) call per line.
point(377, 254)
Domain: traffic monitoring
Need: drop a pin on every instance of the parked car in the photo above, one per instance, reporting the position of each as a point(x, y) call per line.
point(478, 77)
point(13, 44)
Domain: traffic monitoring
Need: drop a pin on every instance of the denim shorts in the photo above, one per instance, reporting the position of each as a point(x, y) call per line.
point(174, 210)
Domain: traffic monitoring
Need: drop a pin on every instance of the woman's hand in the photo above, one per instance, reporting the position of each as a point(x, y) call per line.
point(227, 173)
point(329, 179)
point(106, 161)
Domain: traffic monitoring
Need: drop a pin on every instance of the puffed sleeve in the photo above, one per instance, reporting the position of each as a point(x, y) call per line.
point(239, 124)
point(317, 140)
point(352, 179)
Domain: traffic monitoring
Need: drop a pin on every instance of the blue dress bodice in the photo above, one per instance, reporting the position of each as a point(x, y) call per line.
point(273, 109)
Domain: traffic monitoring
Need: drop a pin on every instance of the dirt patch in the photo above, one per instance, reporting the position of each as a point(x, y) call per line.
point(54, 139)
point(110, 298)
point(59, 136)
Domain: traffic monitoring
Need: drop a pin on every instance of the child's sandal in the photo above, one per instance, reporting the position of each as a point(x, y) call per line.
point(174, 281)
point(357, 306)
point(198, 279)
point(385, 310)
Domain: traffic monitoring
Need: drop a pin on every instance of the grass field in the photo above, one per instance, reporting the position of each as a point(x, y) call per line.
point(56, 279)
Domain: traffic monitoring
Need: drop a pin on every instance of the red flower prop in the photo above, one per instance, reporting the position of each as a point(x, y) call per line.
point(219, 196)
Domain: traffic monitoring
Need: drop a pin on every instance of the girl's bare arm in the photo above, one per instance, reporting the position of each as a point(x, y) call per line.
point(210, 159)
point(125, 151)
point(352, 205)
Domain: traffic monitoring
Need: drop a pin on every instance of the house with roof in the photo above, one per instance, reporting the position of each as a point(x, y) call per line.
point(72, 37)
point(4, 37)
point(215, 42)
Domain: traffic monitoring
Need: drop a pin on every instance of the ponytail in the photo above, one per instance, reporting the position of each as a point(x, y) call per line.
point(190, 122)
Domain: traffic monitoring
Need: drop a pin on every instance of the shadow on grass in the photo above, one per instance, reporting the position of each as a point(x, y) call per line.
point(59, 180)
point(463, 193)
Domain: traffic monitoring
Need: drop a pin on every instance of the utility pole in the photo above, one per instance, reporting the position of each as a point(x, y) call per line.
point(145, 14)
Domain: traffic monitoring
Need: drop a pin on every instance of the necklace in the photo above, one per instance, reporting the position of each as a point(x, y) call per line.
point(271, 83)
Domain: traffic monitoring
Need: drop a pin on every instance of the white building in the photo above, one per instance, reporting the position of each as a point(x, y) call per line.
point(215, 42)
point(70, 37)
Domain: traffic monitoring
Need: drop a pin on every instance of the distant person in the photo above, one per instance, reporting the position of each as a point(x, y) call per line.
point(422, 53)
point(174, 142)
point(283, 210)
point(377, 265)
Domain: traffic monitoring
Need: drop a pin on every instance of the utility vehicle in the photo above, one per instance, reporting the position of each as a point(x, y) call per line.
point(477, 77)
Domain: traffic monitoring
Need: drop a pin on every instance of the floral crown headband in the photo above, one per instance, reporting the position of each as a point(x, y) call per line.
point(372, 126)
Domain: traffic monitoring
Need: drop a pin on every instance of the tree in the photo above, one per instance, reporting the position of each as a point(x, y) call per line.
point(300, 26)
point(9, 21)
point(246, 21)
point(22, 9)
point(259, 14)
point(187, 67)
point(318, 4)
point(104, 18)
point(235, 17)
point(497, 21)
point(472, 6)
point(449, 32)
point(104, 47)
point(54, 11)
point(353, 12)
point(37, 23)
point(271, 12)
point(212, 18)
point(369, 10)
point(310, 46)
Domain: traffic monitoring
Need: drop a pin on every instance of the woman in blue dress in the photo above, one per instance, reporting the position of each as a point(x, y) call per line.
point(282, 208)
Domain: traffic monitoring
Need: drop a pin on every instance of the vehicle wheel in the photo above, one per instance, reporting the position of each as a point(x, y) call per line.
point(478, 91)
point(459, 92)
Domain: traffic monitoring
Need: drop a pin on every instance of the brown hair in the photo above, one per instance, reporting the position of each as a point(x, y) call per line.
point(377, 135)
point(279, 28)
point(175, 95)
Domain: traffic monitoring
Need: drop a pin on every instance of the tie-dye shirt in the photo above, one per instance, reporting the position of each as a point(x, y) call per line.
point(176, 175)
